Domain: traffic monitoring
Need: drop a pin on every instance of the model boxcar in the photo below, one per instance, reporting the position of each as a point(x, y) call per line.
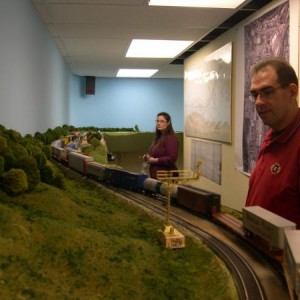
point(125, 179)
point(78, 161)
point(96, 170)
point(113, 175)
point(197, 200)
point(267, 225)
point(132, 180)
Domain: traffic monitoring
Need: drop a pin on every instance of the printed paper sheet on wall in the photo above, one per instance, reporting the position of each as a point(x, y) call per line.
point(211, 156)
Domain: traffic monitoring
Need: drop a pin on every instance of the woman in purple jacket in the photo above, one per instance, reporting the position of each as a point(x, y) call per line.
point(164, 148)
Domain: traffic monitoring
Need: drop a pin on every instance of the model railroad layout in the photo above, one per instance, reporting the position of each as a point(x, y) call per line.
point(267, 232)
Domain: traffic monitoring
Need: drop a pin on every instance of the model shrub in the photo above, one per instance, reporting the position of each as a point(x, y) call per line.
point(41, 159)
point(47, 150)
point(94, 142)
point(13, 135)
point(47, 174)
point(18, 150)
point(15, 181)
point(2, 128)
point(50, 136)
point(9, 158)
point(59, 181)
point(1, 165)
point(29, 165)
point(3, 144)
point(39, 136)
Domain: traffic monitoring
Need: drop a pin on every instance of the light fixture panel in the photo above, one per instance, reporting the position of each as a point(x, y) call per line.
point(198, 3)
point(144, 73)
point(156, 48)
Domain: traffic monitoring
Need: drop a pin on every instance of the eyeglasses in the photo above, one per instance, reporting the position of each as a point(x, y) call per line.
point(264, 93)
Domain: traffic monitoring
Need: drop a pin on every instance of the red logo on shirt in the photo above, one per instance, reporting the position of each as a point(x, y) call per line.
point(275, 169)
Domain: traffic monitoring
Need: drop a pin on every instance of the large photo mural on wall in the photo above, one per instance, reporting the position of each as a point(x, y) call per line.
point(267, 36)
point(207, 96)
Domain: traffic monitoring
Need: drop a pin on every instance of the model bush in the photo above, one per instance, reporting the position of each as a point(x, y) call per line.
point(94, 142)
point(18, 150)
point(3, 143)
point(1, 165)
point(14, 182)
point(31, 154)
point(47, 174)
point(47, 150)
point(9, 158)
point(13, 135)
point(41, 158)
point(40, 137)
point(30, 167)
point(59, 181)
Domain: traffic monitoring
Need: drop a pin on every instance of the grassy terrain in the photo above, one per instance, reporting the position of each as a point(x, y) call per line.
point(99, 154)
point(86, 243)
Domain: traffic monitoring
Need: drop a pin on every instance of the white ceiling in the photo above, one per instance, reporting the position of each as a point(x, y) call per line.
point(93, 35)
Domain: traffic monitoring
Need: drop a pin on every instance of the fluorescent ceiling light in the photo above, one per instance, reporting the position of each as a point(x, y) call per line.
point(156, 48)
point(136, 72)
point(198, 3)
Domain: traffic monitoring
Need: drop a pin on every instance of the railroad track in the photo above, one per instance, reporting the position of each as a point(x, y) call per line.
point(247, 283)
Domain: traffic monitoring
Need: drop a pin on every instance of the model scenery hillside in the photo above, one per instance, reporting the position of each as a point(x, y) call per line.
point(80, 241)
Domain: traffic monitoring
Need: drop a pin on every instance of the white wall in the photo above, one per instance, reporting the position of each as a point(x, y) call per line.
point(234, 186)
point(34, 79)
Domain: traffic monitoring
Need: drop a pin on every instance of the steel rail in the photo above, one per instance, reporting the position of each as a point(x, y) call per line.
point(247, 283)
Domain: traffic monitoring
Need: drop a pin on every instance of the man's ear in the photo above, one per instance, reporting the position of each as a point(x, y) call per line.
point(293, 89)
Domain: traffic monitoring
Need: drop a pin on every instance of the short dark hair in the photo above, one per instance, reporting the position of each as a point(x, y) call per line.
point(285, 72)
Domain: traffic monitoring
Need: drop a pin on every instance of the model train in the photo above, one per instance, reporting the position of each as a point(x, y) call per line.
point(203, 203)
point(265, 230)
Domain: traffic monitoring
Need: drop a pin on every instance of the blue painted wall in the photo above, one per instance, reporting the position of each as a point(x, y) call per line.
point(120, 102)
point(34, 79)
point(38, 91)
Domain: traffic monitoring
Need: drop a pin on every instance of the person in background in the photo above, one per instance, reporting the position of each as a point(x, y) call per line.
point(164, 148)
point(275, 181)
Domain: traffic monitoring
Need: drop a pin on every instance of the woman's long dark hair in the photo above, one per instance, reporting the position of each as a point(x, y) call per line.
point(169, 129)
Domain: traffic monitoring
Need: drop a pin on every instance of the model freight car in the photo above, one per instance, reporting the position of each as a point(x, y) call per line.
point(291, 261)
point(268, 226)
point(156, 187)
point(125, 179)
point(96, 170)
point(198, 200)
point(78, 161)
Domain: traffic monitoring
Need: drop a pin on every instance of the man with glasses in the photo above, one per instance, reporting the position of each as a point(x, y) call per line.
point(275, 181)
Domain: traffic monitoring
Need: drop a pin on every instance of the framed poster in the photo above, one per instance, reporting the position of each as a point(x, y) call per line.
point(207, 96)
